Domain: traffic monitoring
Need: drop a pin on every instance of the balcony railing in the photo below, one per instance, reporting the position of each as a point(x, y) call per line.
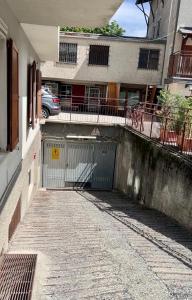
point(169, 126)
point(180, 65)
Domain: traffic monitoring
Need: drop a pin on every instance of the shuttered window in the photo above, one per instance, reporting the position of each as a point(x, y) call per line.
point(148, 59)
point(29, 96)
point(39, 98)
point(68, 53)
point(99, 55)
point(12, 95)
point(34, 94)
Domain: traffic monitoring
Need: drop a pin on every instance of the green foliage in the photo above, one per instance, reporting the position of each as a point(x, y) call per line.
point(178, 109)
point(112, 29)
point(167, 100)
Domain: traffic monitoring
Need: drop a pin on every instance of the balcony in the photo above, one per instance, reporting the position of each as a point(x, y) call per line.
point(180, 65)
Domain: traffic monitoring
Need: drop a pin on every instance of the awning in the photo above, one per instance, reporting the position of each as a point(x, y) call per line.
point(89, 13)
point(44, 39)
point(141, 1)
point(40, 19)
point(185, 30)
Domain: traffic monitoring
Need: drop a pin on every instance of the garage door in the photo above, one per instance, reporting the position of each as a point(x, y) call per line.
point(78, 165)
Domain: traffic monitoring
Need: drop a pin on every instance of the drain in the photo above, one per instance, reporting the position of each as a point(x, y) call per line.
point(16, 276)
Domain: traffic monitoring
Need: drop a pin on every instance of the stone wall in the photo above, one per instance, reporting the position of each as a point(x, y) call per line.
point(151, 175)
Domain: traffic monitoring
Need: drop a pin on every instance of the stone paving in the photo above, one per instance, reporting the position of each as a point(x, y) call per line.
point(87, 249)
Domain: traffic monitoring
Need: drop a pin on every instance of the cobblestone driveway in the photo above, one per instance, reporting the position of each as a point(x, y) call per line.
point(100, 246)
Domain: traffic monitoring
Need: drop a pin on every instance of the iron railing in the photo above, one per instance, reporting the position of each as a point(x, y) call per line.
point(170, 126)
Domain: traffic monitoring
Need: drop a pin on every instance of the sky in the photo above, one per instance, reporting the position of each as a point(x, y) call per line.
point(131, 19)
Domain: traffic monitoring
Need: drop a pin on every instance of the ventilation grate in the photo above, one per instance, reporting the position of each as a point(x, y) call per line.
point(16, 276)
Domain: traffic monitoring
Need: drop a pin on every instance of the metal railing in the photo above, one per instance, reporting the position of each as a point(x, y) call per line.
point(180, 64)
point(170, 126)
point(93, 109)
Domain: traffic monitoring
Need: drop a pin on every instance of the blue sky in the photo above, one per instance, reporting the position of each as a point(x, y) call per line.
point(130, 18)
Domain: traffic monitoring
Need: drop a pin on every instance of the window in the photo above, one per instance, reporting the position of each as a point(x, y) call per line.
point(148, 59)
point(68, 53)
point(99, 55)
point(65, 91)
point(13, 95)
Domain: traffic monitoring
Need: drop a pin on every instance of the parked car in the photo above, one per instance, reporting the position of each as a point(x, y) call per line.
point(51, 105)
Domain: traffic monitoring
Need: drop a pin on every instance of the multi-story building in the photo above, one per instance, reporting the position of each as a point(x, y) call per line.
point(172, 20)
point(92, 66)
point(28, 35)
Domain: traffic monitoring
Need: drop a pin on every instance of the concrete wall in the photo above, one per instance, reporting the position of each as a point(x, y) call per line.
point(151, 175)
point(60, 131)
point(162, 14)
point(123, 62)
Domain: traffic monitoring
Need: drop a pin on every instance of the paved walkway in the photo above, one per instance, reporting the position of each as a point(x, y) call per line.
point(101, 246)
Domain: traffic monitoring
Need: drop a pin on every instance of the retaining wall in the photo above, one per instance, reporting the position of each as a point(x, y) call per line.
point(151, 175)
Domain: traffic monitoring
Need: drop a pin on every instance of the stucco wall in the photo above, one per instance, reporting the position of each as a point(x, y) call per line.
point(26, 56)
point(123, 63)
point(151, 175)
point(185, 16)
point(179, 88)
point(10, 161)
point(29, 140)
point(21, 190)
point(169, 23)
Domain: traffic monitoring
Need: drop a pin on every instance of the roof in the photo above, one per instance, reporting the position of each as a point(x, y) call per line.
point(185, 30)
point(141, 1)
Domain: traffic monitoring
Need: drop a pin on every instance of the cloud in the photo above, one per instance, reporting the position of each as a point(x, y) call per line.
point(130, 18)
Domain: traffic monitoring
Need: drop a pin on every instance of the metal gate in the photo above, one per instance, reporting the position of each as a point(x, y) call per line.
point(78, 164)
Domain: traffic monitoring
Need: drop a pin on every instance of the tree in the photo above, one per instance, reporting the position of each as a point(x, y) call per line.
point(111, 29)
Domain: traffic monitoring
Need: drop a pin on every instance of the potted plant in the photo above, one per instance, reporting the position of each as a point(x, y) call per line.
point(183, 124)
point(168, 103)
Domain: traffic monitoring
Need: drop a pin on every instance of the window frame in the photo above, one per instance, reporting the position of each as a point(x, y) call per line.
point(12, 95)
point(149, 59)
point(67, 54)
point(91, 52)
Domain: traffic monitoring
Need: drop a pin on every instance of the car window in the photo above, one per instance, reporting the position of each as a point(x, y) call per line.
point(46, 94)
